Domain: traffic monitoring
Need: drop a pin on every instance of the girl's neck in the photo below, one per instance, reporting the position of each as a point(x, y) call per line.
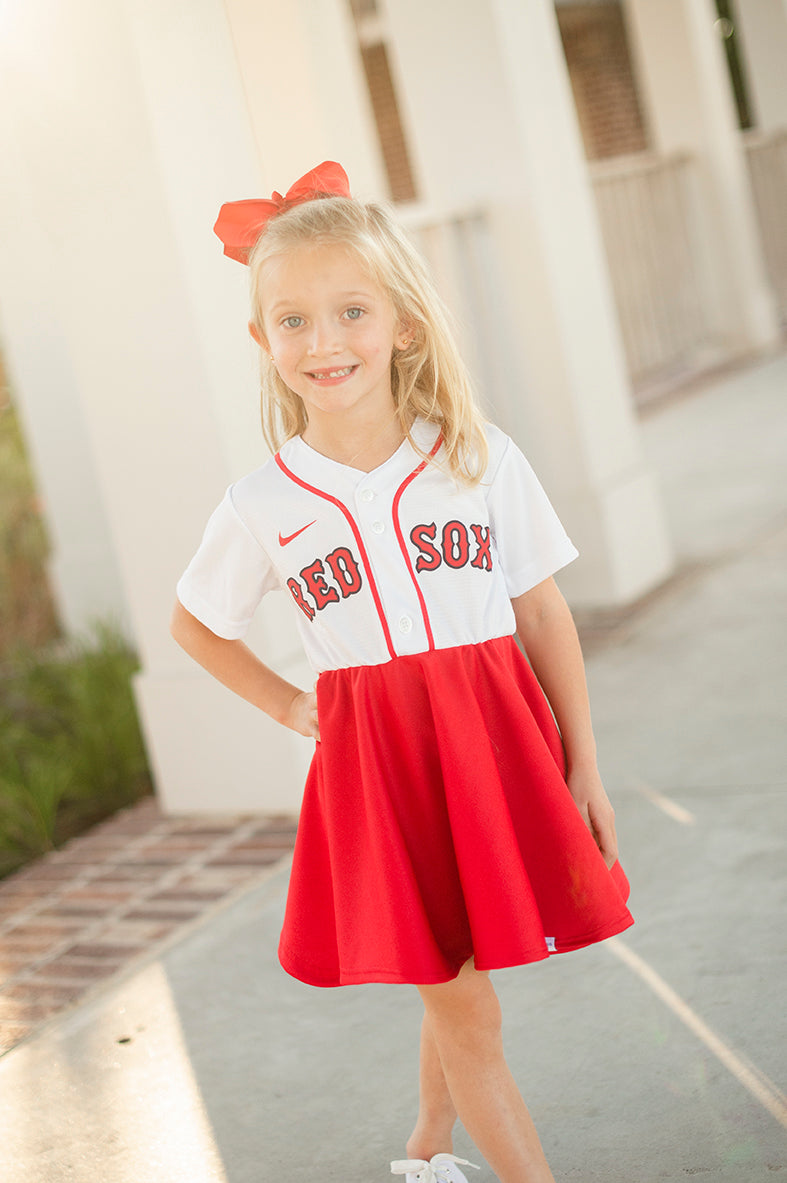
point(364, 446)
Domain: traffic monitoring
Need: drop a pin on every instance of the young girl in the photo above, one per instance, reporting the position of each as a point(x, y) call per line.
point(452, 823)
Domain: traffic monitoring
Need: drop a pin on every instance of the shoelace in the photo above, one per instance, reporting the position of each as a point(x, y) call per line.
point(437, 1170)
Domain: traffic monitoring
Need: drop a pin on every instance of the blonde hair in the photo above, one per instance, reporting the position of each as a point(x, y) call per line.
point(428, 378)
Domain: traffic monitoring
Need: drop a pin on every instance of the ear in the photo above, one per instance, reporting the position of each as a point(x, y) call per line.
point(258, 337)
point(405, 336)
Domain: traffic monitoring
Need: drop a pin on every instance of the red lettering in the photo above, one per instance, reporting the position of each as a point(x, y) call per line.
point(297, 595)
point(345, 571)
point(314, 578)
point(483, 556)
point(455, 544)
point(423, 536)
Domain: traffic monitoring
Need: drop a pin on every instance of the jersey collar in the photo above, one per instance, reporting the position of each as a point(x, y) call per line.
point(319, 470)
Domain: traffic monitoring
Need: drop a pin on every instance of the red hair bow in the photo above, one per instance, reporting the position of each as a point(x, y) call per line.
point(240, 223)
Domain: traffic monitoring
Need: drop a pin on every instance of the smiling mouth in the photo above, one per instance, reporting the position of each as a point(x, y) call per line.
point(322, 375)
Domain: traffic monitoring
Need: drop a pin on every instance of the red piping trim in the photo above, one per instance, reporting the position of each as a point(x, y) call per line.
point(357, 535)
point(400, 537)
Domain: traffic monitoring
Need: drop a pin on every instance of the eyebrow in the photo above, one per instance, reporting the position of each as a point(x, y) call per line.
point(341, 298)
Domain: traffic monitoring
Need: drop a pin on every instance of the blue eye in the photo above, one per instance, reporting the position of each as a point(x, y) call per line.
point(354, 313)
point(292, 322)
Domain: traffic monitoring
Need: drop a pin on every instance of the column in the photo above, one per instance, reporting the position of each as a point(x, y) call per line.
point(305, 92)
point(81, 566)
point(558, 380)
point(277, 88)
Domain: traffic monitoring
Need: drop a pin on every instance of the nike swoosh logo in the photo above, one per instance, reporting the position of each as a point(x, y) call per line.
point(283, 541)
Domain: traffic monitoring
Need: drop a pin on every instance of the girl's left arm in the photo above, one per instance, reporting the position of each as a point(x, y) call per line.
point(547, 631)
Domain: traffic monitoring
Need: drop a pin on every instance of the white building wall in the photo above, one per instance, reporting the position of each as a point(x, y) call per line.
point(132, 121)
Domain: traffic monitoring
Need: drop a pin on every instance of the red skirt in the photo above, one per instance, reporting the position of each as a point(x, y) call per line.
point(437, 826)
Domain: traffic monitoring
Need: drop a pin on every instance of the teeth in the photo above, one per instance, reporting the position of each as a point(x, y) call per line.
point(333, 373)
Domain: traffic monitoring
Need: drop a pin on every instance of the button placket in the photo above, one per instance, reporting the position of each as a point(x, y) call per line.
point(398, 604)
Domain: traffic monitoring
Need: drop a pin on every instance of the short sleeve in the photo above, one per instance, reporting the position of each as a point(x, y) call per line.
point(530, 540)
point(228, 576)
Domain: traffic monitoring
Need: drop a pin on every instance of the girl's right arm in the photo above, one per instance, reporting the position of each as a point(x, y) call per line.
point(234, 665)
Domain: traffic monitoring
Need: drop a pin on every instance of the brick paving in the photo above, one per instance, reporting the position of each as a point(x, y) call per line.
point(72, 919)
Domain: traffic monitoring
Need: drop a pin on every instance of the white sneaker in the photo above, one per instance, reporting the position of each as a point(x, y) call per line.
point(441, 1168)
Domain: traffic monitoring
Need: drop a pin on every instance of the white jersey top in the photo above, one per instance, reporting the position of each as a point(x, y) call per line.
point(399, 560)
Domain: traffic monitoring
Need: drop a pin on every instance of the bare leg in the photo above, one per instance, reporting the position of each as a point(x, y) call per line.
point(465, 1022)
point(436, 1112)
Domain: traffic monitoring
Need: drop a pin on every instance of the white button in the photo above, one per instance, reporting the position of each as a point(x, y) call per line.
point(367, 494)
point(377, 527)
point(405, 624)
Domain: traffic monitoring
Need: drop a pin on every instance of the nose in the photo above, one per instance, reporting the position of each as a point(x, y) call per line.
point(325, 337)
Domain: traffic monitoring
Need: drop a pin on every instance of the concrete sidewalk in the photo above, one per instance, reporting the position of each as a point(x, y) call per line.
point(648, 1058)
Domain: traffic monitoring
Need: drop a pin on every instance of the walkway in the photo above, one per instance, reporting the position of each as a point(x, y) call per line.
point(653, 1057)
point(136, 882)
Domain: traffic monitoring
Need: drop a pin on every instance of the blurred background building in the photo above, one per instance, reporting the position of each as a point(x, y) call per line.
point(600, 188)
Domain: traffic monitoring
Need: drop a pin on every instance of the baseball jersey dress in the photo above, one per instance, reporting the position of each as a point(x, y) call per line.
point(436, 822)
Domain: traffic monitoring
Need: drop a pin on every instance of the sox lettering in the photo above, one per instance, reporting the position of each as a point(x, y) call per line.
point(456, 544)
point(454, 548)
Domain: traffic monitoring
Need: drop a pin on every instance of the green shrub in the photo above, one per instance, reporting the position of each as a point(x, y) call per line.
point(70, 746)
point(71, 751)
point(27, 612)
